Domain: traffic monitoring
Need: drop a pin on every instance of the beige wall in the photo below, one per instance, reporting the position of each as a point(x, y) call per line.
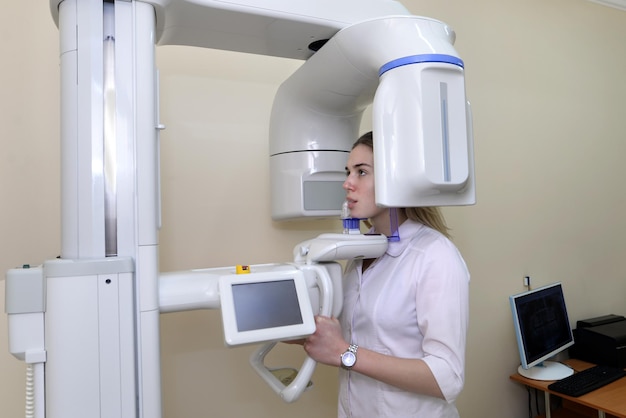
point(546, 80)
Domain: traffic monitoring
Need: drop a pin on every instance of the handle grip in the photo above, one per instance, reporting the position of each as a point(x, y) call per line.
point(291, 386)
point(293, 382)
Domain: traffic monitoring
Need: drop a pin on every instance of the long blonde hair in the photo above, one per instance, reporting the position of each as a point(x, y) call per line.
point(430, 216)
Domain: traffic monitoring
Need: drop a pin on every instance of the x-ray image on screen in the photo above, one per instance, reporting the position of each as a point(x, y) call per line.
point(544, 323)
point(542, 330)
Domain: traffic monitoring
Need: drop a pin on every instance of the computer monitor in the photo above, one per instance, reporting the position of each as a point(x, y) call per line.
point(543, 330)
point(266, 306)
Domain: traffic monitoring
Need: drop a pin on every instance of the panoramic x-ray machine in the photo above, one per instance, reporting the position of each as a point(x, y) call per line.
point(87, 323)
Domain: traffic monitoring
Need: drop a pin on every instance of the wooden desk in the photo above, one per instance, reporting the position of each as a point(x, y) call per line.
point(608, 401)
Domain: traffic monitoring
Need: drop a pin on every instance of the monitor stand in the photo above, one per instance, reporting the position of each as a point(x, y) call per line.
point(548, 370)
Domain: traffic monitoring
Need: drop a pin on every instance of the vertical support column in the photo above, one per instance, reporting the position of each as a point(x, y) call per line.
point(137, 190)
point(90, 338)
point(82, 185)
point(110, 213)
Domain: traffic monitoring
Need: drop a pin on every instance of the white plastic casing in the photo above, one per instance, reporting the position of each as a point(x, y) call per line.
point(331, 247)
point(25, 307)
point(128, 155)
point(232, 312)
point(307, 183)
point(418, 100)
point(199, 289)
point(90, 341)
point(282, 28)
point(423, 148)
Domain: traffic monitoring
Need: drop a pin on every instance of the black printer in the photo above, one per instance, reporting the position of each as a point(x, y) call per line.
point(601, 340)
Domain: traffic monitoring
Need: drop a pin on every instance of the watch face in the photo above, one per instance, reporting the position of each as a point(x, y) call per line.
point(348, 359)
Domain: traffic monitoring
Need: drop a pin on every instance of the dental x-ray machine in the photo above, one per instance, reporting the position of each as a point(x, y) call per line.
point(87, 323)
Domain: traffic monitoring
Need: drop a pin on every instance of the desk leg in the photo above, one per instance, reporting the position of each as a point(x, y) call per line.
point(601, 414)
point(546, 399)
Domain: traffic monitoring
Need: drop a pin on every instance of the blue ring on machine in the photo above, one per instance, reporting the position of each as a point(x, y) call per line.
point(417, 59)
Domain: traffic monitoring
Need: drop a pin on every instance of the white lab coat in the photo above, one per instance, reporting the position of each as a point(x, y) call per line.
point(412, 302)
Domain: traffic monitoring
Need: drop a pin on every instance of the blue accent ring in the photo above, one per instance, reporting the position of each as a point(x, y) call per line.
point(417, 59)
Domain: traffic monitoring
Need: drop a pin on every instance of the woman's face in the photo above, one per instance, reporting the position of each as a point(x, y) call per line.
point(359, 184)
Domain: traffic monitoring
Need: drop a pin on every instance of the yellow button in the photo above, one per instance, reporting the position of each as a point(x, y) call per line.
point(242, 269)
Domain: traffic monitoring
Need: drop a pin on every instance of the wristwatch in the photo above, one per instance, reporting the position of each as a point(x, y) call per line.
point(348, 359)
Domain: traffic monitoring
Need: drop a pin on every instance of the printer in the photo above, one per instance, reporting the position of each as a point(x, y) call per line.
point(601, 340)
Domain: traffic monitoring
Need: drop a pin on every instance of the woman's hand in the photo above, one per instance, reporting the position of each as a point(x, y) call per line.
point(327, 344)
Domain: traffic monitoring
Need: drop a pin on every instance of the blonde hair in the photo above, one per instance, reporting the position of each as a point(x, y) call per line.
point(430, 216)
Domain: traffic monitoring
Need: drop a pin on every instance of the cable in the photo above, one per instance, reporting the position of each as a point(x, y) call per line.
point(30, 391)
point(537, 401)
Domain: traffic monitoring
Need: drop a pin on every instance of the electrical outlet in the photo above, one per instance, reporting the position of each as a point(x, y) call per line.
point(527, 281)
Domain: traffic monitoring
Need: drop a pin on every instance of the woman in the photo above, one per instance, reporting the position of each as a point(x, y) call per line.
point(400, 339)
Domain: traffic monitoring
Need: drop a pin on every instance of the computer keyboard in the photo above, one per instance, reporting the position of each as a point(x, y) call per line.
point(587, 380)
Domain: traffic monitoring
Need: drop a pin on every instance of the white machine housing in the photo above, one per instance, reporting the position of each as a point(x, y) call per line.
point(273, 307)
point(421, 120)
point(92, 316)
point(371, 53)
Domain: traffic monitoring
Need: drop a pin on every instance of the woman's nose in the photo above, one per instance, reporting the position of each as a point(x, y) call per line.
point(347, 185)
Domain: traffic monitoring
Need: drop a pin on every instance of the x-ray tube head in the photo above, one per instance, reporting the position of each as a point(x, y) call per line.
point(423, 150)
point(423, 146)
